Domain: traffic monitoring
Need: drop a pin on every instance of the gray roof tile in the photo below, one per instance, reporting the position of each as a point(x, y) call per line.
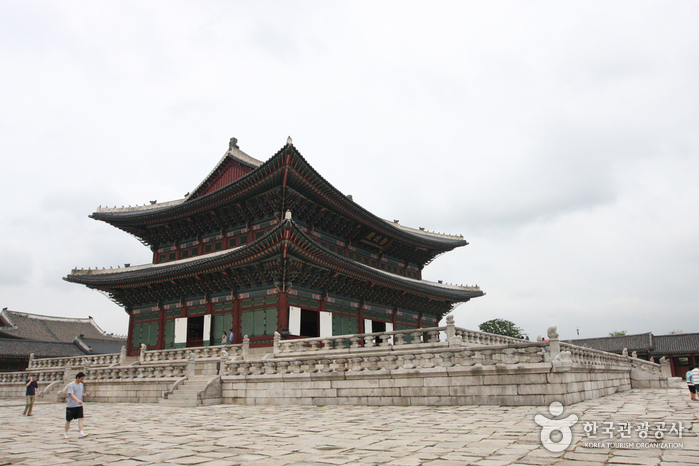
point(13, 348)
point(46, 328)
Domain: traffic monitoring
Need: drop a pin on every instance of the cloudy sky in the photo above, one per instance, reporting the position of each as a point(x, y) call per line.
point(560, 138)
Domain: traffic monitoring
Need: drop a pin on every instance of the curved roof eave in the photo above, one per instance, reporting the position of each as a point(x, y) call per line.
point(183, 208)
point(133, 276)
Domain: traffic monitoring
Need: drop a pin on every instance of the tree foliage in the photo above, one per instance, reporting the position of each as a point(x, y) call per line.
point(503, 327)
point(617, 333)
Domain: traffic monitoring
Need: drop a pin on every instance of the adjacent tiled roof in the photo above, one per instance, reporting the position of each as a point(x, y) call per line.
point(13, 348)
point(26, 326)
point(104, 346)
point(658, 345)
point(680, 343)
point(639, 342)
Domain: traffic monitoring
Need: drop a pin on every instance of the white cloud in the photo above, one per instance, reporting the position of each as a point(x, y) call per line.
point(559, 138)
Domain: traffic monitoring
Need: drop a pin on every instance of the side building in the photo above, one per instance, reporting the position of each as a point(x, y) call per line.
point(23, 334)
point(681, 349)
point(264, 247)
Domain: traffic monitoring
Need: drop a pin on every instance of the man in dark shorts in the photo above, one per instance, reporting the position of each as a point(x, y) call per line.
point(74, 408)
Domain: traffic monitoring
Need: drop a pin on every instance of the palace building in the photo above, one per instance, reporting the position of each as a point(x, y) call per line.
point(265, 247)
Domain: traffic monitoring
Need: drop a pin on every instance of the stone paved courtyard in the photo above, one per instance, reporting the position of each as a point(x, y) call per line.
point(141, 434)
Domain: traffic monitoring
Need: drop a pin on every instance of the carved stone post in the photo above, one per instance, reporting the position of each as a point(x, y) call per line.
point(665, 368)
point(451, 331)
point(554, 344)
point(246, 348)
point(191, 362)
point(66, 374)
point(277, 339)
point(142, 356)
point(222, 363)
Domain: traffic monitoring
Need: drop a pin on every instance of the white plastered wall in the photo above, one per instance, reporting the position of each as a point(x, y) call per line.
point(326, 324)
point(294, 320)
point(181, 330)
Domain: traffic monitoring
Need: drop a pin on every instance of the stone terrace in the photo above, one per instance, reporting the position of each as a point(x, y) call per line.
point(140, 434)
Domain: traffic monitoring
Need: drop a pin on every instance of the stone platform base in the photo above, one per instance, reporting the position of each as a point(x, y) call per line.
point(519, 385)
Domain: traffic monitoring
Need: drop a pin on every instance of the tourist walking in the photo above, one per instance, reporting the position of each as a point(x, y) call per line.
point(74, 408)
point(224, 338)
point(32, 391)
point(694, 377)
point(690, 384)
point(231, 337)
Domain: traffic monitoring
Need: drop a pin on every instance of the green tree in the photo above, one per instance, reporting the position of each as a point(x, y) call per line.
point(503, 327)
point(619, 333)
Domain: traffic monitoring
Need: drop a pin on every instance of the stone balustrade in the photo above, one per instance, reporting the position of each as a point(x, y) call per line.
point(183, 354)
point(41, 376)
point(76, 361)
point(593, 357)
point(646, 366)
point(386, 359)
point(153, 371)
point(473, 337)
point(411, 338)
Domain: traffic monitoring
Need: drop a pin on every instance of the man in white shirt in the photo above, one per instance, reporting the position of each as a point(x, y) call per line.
point(74, 408)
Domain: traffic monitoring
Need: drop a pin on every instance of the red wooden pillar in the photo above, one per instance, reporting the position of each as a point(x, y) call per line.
point(129, 337)
point(360, 320)
point(161, 329)
point(236, 320)
point(282, 312)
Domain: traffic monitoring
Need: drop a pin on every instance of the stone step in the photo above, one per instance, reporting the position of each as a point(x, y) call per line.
point(186, 394)
point(182, 403)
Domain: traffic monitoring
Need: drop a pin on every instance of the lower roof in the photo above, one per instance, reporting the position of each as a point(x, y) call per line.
point(287, 240)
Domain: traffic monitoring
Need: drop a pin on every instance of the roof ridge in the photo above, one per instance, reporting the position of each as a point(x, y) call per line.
point(54, 318)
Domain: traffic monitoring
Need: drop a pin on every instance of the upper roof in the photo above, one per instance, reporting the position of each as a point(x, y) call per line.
point(286, 170)
point(287, 236)
point(22, 325)
point(660, 345)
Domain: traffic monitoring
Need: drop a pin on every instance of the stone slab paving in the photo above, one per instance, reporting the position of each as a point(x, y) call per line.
point(151, 434)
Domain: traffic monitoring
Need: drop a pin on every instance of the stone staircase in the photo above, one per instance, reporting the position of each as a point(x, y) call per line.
point(198, 390)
